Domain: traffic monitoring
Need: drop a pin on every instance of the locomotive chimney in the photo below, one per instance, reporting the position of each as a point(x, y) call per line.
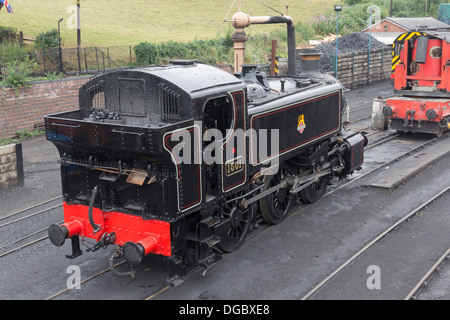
point(310, 60)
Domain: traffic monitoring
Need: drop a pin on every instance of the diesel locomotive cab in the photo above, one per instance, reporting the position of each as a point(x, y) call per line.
point(182, 161)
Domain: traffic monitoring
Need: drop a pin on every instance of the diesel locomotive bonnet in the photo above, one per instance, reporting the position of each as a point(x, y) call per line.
point(136, 156)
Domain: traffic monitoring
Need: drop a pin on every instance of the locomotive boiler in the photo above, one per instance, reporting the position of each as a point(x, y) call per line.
point(183, 161)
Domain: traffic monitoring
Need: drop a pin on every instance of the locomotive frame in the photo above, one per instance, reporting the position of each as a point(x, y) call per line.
point(123, 181)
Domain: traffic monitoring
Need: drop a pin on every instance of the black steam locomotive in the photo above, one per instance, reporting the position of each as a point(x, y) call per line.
point(182, 161)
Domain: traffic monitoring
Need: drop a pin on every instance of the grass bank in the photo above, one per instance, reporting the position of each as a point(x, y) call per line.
point(117, 23)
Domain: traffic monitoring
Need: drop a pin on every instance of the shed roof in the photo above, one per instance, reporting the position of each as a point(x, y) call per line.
point(412, 24)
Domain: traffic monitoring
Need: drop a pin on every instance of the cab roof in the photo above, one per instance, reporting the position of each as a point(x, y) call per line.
point(191, 76)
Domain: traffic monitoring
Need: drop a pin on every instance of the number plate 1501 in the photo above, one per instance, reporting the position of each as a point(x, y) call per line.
point(234, 166)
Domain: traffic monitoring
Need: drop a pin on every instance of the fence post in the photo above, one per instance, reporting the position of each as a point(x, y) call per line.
point(96, 56)
point(353, 69)
point(43, 60)
point(273, 58)
point(21, 38)
point(103, 56)
point(368, 65)
point(85, 61)
point(79, 60)
point(334, 63)
point(61, 66)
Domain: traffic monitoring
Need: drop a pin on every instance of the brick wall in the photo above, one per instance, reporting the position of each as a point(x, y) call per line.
point(21, 110)
point(226, 67)
point(386, 26)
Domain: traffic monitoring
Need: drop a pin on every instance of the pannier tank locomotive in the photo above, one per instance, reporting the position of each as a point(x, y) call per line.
point(133, 158)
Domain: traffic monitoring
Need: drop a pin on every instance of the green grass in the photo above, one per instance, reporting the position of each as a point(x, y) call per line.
point(117, 23)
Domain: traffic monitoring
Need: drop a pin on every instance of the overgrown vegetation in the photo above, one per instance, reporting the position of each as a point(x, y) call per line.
point(403, 8)
point(19, 61)
point(19, 73)
point(14, 49)
point(47, 40)
point(205, 51)
point(22, 135)
point(7, 34)
point(355, 16)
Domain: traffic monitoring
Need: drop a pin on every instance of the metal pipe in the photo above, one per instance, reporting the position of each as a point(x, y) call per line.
point(113, 269)
point(241, 20)
point(95, 192)
point(290, 35)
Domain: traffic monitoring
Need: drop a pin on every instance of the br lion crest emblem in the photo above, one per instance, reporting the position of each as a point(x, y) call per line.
point(301, 123)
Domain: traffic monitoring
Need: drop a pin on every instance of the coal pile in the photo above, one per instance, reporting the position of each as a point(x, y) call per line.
point(101, 115)
point(352, 42)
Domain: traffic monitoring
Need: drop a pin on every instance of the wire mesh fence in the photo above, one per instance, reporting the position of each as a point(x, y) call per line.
point(72, 61)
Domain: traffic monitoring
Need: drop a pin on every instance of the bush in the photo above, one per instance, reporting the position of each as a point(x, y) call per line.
point(8, 34)
point(13, 50)
point(324, 25)
point(146, 53)
point(48, 40)
point(174, 50)
point(352, 18)
point(401, 8)
point(304, 32)
point(205, 51)
point(19, 73)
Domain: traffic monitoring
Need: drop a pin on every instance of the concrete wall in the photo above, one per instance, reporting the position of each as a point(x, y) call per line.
point(11, 166)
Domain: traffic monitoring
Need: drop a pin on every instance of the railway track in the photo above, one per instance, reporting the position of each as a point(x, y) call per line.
point(20, 229)
point(16, 213)
point(83, 282)
point(376, 240)
point(428, 277)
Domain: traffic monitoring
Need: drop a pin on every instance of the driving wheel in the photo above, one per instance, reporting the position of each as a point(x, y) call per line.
point(275, 206)
point(239, 221)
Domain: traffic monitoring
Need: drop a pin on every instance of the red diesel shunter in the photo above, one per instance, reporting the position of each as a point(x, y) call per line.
point(422, 82)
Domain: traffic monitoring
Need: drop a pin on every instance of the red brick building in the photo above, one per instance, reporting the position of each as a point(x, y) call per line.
point(394, 24)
